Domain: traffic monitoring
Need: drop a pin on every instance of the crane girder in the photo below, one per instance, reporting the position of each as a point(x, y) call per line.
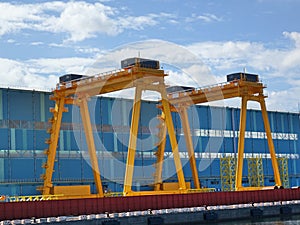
point(78, 91)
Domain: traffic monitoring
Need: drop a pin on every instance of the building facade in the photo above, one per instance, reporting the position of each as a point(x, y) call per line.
point(24, 118)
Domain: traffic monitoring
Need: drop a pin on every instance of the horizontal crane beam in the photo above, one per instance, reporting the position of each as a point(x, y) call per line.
point(232, 89)
point(109, 82)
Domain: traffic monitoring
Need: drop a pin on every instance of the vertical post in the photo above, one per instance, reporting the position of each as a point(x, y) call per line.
point(174, 145)
point(270, 141)
point(160, 153)
point(132, 140)
point(189, 144)
point(84, 111)
point(53, 141)
point(241, 144)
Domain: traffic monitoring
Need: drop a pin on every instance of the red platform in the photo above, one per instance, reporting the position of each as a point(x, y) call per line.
point(42, 209)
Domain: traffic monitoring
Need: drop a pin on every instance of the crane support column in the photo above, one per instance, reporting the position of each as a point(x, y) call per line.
point(174, 145)
point(241, 144)
point(53, 141)
point(91, 143)
point(189, 144)
point(160, 153)
point(132, 140)
point(270, 141)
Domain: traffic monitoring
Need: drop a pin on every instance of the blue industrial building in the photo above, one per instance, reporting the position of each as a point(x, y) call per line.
point(24, 118)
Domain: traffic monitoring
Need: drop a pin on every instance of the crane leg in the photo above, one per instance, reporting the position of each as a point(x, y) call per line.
point(270, 142)
point(174, 145)
point(132, 141)
point(52, 141)
point(241, 144)
point(160, 154)
point(91, 144)
point(189, 145)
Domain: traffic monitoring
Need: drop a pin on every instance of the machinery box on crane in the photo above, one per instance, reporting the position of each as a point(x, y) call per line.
point(140, 62)
point(70, 77)
point(173, 89)
point(242, 76)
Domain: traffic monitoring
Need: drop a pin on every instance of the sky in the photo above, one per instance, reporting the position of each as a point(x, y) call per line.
point(199, 41)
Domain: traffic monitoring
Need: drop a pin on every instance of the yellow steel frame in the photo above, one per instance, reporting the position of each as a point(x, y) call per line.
point(85, 115)
point(52, 141)
point(284, 171)
point(182, 110)
point(132, 141)
point(166, 115)
point(33, 198)
point(173, 141)
point(241, 144)
point(77, 92)
point(160, 153)
point(248, 91)
point(227, 170)
point(189, 144)
point(255, 172)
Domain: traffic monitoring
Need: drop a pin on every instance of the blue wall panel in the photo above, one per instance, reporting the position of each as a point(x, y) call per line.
point(259, 125)
point(7, 168)
point(70, 168)
point(284, 147)
point(4, 104)
point(40, 137)
point(215, 167)
point(217, 118)
point(22, 168)
point(22, 99)
point(87, 172)
point(168, 144)
point(204, 142)
point(19, 136)
point(203, 117)
point(230, 118)
point(149, 111)
point(30, 134)
point(204, 167)
point(4, 139)
point(229, 145)
point(48, 103)
point(108, 139)
point(260, 146)
point(77, 138)
point(67, 116)
point(38, 167)
point(116, 113)
point(33, 141)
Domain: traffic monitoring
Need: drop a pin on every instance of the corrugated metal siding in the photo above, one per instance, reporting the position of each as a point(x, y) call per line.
point(23, 123)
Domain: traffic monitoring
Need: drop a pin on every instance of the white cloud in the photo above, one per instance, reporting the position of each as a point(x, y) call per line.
point(36, 43)
point(295, 36)
point(17, 74)
point(59, 65)
point(206, 17)
point(270, 63)
point(209, 18)
point(237, 55)
point(39, 73)
point(136, 23)
point(285, 100)
point(81, 20)
point(11, 41)
point(78, 19)
point(184, 65)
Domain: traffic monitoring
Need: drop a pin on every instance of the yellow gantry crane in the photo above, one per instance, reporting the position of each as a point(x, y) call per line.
point(77, 92)
point(143, 74)
point(248, 90)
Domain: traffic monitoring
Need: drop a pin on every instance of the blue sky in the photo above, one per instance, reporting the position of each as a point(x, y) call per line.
point(41, 40)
